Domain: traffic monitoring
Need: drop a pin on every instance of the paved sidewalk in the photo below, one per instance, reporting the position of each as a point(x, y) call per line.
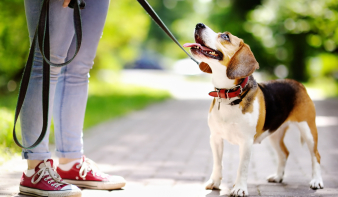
point(163, 151)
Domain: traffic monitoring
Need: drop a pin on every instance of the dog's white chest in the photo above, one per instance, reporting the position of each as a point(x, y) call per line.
point(231, 124)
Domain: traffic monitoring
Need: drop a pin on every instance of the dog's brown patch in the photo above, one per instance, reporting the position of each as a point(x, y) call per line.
point(262, 113)
point(247, 104)
point(250, 91)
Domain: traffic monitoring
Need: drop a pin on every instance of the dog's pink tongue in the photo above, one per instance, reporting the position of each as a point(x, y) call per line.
point(197, 44)
point(191, 44)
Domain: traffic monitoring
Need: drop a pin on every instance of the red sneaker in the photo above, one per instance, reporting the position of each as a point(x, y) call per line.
point(46, 182)
point(85, 174)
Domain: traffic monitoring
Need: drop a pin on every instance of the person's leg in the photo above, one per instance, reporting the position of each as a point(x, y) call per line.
point(61, 33)
point(70, 103)
point(41, 178)
point(72, 87)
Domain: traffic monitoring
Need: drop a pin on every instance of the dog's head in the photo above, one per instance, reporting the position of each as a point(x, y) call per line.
point(222, 49)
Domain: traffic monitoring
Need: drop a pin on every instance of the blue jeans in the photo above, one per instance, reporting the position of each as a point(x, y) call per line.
point(68, 85)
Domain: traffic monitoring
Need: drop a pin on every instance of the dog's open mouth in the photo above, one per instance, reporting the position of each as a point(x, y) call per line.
point(204, 50)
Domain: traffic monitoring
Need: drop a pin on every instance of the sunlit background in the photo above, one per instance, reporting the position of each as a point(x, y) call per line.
point(290, 39)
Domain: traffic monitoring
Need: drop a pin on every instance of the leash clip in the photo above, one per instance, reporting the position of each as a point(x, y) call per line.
point(82, 4)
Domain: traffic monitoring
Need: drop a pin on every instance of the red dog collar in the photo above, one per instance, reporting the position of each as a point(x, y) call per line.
point(229, 93)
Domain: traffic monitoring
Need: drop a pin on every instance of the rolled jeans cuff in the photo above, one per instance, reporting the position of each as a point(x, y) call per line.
point(27, 154)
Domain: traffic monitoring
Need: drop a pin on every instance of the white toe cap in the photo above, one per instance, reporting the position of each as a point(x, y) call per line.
point(71, 188)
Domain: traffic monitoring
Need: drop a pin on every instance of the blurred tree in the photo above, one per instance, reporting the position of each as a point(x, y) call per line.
point(126, 28)
point(174, 13)
point(14, 42)
point(293, 30)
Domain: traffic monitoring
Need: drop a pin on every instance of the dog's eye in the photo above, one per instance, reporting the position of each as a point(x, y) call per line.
point(225, 37)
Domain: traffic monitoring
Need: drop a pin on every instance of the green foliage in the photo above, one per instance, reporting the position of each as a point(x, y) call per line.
point(14, 41)
point(6, 125)
point(323, 65)
point(126, 28)
point(7, 145)
point(291, 31)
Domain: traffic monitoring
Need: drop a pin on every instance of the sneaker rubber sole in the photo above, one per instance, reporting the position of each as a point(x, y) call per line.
point(96, 184)
point(37, 192)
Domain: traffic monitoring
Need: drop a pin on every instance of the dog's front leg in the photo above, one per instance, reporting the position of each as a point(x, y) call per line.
point(240, 188)
point(216, 143)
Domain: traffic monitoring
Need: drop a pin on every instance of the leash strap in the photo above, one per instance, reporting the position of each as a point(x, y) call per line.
point(77, 27)
point(160, 23)
point(42, 37)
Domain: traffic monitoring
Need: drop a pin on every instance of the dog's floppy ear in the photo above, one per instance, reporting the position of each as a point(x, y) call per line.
point(205, 67)
point(242, 64)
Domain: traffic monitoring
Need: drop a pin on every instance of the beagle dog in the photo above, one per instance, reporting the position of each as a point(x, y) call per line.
point(244, 112)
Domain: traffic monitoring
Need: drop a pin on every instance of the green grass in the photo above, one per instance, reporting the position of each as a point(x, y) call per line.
point(7, 147)
point(106, 101)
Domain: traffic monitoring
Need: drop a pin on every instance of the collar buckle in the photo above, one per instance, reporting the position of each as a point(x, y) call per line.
point(240, 86)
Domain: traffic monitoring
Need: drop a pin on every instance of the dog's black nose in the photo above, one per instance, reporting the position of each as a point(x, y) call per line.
point(200, 26)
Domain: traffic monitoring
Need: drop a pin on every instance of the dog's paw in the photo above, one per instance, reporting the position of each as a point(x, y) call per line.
point(274, 178)
point(239, 191)
point(213, 184)
point(316, 183)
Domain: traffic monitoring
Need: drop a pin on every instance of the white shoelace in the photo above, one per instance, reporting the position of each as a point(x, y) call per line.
point(53, 178)
point(88, 165)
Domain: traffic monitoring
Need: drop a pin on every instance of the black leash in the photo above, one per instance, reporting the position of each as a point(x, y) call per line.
point(160, 23)
point(42, 36)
